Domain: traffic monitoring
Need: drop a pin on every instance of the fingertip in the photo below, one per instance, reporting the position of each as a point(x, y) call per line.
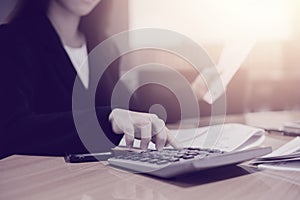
point(173, 142)
point(161, 140)
point(129, 141)
point(160, 144)
point(145, 143)
point(159, 147)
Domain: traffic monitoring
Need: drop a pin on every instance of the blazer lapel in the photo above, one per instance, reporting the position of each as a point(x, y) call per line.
point(55, 53)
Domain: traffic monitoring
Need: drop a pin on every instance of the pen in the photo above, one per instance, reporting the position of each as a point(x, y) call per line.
point(283, 132)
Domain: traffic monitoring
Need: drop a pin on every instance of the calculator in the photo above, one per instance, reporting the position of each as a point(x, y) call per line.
point(169, 162)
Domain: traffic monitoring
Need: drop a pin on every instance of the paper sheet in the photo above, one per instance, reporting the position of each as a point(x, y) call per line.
point(233, 55)
point(285, 158)
point(283, 166)
point(289, 148)
point(232, 137)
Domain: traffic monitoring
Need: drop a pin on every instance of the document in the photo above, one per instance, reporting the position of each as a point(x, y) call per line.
point(233, 55)
point(283, 166)
point(286, 157)
point(231, 137)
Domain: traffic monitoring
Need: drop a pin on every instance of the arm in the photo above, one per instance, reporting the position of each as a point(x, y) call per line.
point(25, 131)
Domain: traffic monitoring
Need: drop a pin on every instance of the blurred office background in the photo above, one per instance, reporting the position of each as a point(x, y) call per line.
point(268, 78)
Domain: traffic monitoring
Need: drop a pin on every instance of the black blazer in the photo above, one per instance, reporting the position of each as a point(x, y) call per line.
point(36, 84)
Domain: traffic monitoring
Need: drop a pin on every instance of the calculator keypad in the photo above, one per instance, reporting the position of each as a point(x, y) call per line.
point(168, 155)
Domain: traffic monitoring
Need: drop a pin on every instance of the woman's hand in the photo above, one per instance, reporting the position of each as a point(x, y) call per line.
point(144, 126)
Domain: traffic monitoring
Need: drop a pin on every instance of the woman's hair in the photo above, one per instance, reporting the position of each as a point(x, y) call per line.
point(28, 9)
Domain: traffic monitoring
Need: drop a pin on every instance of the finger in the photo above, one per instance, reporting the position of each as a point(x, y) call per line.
point(116, 129)
point(129, 141)
point(158, 124)
point(120, 120)
point(146, 134)
point(129, 136)
point(171, 140)
point(161, 139)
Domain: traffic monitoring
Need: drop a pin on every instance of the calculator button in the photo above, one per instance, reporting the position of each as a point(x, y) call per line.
point(153, 161)
point(120, 157)
point(161, 162)
point(173, 159)
point(197, 149)
point(192, 153)
point(145, 159)
point(135, 158)
point(188, 157)
point(180, 155)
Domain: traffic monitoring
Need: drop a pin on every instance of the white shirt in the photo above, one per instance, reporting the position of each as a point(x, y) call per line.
point(80, 62)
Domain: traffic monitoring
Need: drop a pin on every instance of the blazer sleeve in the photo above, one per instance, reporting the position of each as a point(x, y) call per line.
point(23, 131)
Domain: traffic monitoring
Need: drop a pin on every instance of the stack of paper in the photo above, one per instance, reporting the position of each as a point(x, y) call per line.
point(286, 157)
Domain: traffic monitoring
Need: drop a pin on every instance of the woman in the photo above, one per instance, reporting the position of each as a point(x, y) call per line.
point(42, 51)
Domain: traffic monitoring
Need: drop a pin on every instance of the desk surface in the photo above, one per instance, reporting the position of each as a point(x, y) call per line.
point(28, 177)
